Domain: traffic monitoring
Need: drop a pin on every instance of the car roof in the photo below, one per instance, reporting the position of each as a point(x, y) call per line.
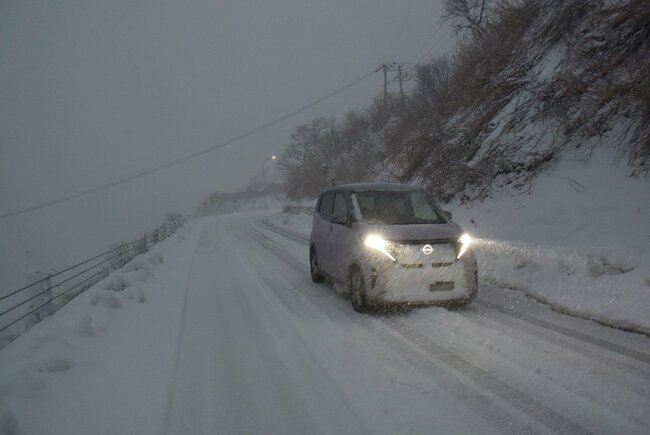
point(365, 187)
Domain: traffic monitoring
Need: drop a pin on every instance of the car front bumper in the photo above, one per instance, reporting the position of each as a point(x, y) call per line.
point(425, 283)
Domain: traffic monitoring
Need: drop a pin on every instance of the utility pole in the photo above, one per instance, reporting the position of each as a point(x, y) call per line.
point(401, 78)
point(401, 89)
point(385, 68)
point(263, 185)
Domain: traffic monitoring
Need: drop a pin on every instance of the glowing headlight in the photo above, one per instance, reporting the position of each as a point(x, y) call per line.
point(378, 243)
point(465, 240)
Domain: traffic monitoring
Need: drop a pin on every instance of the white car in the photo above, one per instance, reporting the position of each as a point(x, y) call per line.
point(391, 243)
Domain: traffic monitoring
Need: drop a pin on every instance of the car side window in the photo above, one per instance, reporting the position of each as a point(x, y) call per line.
point(340, 204)
point(326, 202)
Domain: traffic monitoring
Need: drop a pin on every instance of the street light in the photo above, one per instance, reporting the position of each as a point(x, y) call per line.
point(270, 158)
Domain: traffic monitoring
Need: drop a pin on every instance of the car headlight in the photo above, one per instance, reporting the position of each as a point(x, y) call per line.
point(465, 240)
point(378, 243)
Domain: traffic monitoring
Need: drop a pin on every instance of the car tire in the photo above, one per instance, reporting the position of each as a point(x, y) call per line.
point(358, 291)
point(316, 276)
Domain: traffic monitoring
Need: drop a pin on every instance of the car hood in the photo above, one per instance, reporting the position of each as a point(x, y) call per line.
point(414, 232)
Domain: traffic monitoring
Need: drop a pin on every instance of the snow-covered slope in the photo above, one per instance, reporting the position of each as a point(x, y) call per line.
point(579, 239)
point(553, 78)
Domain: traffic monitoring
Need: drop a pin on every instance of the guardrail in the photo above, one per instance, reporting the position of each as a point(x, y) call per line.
point(22, 308)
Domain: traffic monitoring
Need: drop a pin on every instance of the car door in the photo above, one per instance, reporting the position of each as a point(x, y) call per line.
point(321, 230)
point(340, 235)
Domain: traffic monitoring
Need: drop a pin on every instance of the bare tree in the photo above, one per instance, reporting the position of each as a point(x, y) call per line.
point(310, 146)
point(432, 85)
point(468, 14)
point(305, 142)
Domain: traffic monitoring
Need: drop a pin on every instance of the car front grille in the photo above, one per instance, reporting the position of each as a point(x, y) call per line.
point(410, 253)
point(412, 266)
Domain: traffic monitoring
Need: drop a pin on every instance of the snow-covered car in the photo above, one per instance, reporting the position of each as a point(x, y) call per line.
point(391, 243)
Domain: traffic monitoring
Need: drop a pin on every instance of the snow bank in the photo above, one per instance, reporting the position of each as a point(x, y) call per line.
point(579, 240)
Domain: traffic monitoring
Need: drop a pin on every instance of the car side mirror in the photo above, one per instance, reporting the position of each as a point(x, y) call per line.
point(338, 218)
point(447, 214)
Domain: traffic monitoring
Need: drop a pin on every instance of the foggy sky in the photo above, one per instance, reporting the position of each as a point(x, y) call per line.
point(93, 91)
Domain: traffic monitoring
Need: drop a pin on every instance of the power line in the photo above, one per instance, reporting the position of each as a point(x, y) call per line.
point(186, 158)
point(429, 53)
point(422, 54)
point(416, 57)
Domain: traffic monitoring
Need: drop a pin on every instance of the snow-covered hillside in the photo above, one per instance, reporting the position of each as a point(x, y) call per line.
point(553, 79)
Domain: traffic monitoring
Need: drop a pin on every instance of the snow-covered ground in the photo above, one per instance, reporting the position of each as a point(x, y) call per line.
point(100, 364)
point(219, 329)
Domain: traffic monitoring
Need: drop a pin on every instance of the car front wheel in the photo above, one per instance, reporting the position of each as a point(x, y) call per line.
point(358, 291)
point(316, 276)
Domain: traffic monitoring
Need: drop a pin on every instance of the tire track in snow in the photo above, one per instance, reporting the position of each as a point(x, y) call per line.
point(613, 347)
point(179, 338)
point(526, 404)
point(576, 354)
point(582, 347)
point(289, 234)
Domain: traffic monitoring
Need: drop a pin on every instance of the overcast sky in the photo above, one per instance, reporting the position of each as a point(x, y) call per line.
point(93, 91)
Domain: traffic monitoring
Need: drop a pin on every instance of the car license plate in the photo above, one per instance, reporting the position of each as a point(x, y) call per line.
point(441, 286)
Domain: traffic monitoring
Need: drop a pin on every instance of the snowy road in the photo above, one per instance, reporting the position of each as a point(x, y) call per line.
point(262, 349)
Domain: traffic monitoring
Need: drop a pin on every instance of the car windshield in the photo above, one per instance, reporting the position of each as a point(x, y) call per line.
point(397, 207)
